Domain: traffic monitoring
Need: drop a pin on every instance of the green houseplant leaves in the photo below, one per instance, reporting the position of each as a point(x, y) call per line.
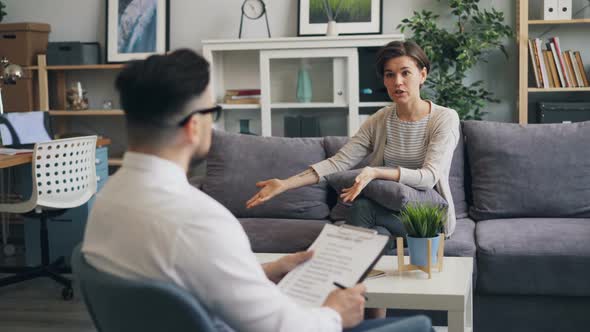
point(423, 220)
point(454, 52)
point(2, 12)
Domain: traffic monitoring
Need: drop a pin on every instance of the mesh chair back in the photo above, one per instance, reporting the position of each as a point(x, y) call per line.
point(64, 172)
point(118, 304)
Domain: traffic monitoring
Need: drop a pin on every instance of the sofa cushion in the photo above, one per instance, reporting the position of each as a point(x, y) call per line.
point(390, 194)
point(533, 256)
point(457, 176)
point(237, 162)
point(332, 144)
point(281, 235)
point(462, 242)
point(538, 170)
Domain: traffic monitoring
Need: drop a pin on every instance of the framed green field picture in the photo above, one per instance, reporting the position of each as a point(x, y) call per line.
point(353, 17)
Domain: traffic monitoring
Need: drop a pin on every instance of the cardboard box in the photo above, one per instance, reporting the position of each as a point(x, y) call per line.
point(19, 97)
point(73, 53)
point(21, 42)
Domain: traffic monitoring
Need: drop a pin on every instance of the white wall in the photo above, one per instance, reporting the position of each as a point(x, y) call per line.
point(196, 20)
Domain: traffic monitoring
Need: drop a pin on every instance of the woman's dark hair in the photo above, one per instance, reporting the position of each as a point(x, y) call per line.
point(401, 48)
point(153, 91)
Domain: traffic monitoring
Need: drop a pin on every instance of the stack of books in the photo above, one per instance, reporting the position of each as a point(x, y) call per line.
point(554, 68)
point(242, 96)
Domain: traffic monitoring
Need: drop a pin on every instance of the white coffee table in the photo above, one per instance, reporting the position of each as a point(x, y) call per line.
point(449, 290)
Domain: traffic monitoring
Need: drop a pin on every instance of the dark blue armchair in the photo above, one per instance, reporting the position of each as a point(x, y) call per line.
point(118, 304)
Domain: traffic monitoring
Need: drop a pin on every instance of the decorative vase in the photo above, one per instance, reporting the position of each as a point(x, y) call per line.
point(418, 248)
point(332, 29)
point(304, 93)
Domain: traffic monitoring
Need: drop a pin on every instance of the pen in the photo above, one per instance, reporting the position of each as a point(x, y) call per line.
point(339, 285)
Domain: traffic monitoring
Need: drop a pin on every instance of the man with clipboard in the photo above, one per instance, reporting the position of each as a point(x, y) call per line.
point(149, 222)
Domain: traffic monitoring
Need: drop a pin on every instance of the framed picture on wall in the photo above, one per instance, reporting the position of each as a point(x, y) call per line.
point(353, 17)
point(136, 29)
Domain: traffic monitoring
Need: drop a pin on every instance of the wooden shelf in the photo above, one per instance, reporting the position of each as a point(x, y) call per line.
point(115, 161)
point(240, 106)
point(375, 103)
point(558, 89)
point(81, 67)
point(524, 28)
point(552, 22)
point(307, 105)
point(86, 112)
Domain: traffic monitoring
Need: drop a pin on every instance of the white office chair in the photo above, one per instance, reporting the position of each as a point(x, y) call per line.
point(64, 176)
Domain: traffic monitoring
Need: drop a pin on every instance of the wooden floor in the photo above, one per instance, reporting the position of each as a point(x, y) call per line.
point(36, 306)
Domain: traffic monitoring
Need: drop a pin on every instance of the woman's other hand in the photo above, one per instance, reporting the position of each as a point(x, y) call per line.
point(270, 188)
point(360, 182)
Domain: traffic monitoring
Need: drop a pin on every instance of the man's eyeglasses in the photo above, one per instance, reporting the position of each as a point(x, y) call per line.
point(215, 114)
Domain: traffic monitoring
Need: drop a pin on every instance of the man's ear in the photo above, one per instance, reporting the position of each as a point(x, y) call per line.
point(191, 129)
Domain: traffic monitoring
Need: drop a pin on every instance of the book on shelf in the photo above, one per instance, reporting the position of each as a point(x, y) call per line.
point(581, 67)
point(541, 61)
point(560, 69)
point(576, 69)
point(570, 70)
point(533, 64)
point(550, 67)
point(555, 42)
point(241, 101)
point(551, 78)
point(242, 92)
point(243, 97)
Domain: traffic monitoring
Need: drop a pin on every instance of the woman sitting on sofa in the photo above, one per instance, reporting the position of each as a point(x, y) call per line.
point(412, 142)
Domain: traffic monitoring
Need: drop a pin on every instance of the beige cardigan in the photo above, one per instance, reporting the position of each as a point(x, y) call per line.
point(442, 135)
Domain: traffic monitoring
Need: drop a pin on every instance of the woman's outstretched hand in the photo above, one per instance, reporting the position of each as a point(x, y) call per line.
point(360, 182)
point(269, 189)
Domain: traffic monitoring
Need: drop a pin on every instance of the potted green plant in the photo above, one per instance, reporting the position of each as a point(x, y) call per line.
point(423, 222)
point(454, 52)
point(2, 12)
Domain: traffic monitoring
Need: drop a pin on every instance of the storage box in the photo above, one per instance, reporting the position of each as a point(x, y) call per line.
point(548, 10)
point(21, 42)
point(563, 112)
point(73, 53)
point(19, 97)
point(564, 9)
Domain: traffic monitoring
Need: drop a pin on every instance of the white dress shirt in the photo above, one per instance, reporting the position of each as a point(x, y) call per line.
point(148, 221)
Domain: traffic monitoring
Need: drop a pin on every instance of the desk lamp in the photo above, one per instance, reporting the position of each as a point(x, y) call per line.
point(9, 73)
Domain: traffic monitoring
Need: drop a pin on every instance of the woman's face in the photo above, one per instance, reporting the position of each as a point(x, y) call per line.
point(402, 78)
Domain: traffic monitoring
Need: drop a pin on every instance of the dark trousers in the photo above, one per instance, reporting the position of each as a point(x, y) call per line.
point(369, 214)
point(409, 324)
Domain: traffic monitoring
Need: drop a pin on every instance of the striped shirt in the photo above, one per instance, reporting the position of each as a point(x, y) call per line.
point(405, 145)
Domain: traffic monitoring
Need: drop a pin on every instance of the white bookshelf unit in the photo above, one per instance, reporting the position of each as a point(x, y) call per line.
point(271, 65)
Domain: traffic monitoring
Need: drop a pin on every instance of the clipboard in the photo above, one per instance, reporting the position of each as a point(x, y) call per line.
point(343, 254)
point(374, 262)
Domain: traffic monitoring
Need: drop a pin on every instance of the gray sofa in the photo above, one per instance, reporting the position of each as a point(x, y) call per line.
point(522, 200)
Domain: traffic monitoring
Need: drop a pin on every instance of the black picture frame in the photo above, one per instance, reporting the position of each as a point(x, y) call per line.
point(305, 28)
point(154, 37)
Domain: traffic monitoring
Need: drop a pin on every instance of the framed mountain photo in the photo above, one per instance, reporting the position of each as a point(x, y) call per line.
point(353, 17)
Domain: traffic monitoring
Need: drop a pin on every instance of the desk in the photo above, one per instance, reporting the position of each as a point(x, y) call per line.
point(25, 158)
point(65, 234)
